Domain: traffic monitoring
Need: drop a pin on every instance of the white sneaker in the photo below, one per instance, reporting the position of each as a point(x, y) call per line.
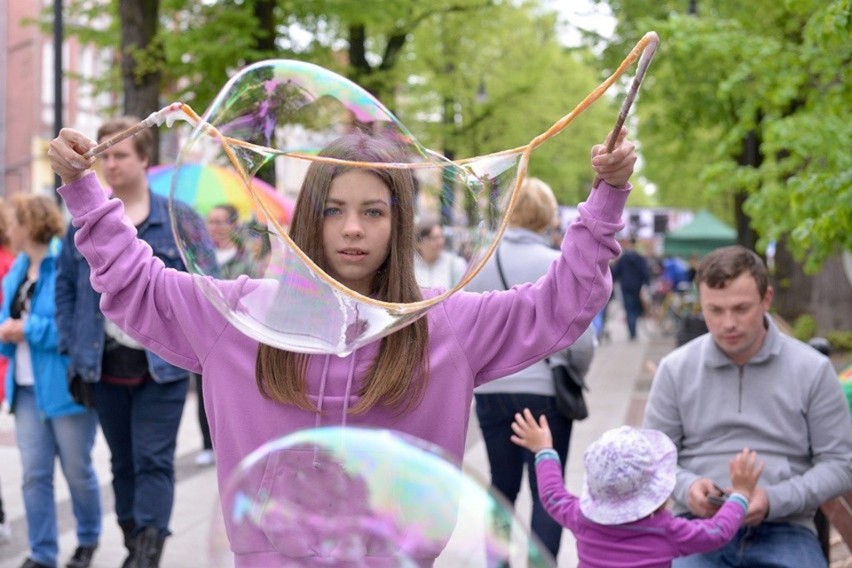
point(205, 457)
point(5, 533)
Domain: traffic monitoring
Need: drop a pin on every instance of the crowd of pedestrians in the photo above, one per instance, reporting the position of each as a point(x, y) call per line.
point(105, 327)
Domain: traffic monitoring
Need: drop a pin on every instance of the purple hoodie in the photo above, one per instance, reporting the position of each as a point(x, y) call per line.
point(473, 338)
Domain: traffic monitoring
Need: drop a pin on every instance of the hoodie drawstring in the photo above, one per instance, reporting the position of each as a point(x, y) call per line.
point(349, 379)
point(321, 397)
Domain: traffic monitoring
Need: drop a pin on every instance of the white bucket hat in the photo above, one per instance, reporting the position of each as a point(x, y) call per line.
point(630, 472)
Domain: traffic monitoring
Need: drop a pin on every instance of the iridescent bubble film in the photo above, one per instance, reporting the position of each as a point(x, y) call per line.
point(367, 497)
point(288, 131)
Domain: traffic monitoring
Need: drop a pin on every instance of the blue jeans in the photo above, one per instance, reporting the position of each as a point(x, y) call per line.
point(40, 441)
point(140, 425)
point(768, 545)
point(495, 413)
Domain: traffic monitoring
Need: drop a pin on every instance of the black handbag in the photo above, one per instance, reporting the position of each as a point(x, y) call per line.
point(81, 391)
point(568, 385)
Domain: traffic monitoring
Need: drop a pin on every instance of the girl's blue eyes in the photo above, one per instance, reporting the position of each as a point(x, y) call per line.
point(332, 211)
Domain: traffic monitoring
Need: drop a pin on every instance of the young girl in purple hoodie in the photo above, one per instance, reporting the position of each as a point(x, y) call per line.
point(358, 226)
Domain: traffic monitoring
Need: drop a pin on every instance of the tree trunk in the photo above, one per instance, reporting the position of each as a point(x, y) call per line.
point(793, 288)
point(831, 301)
point(139, 23)
point(751, 156)
point(264, 41)
point(264, 11)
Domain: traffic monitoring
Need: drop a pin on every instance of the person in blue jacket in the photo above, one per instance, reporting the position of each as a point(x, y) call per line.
point(48, 423)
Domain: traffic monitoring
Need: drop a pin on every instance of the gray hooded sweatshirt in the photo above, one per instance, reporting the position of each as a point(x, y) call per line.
point(786, 404)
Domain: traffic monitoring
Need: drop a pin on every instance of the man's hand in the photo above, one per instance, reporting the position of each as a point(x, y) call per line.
point(615, 167)
point(758, 507)
point(697, 501)
point(529, 434)
point(66, 155)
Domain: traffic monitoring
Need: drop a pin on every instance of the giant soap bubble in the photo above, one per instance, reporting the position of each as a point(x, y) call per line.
point(366, 497)
point(282, 120)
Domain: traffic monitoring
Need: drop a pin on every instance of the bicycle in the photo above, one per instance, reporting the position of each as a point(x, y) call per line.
point(668, 313)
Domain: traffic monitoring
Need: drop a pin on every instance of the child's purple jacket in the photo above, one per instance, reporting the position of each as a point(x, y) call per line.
point(651, 542)
point(473, 338)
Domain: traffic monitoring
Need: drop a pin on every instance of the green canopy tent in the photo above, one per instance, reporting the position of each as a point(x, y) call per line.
point(701, 235)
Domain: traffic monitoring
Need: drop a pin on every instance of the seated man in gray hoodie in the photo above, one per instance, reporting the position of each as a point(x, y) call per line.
point(745, 385)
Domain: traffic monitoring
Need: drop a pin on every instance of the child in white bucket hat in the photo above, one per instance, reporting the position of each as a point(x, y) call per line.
point(620, 519)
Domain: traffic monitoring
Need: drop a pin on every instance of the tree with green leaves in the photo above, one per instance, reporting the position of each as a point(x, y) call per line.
point(467, 76)
point(747, 109)
point(751, 100)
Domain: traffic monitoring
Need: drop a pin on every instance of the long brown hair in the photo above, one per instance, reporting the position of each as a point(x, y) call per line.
point(392, 378)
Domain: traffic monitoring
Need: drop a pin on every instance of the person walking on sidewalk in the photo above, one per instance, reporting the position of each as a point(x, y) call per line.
point(620, 519)
point(139, 396)
point(632, 273)
point(434, 265)
point(524, 255)
point(746, 384)
point(48, 423)
point(7, 257)
point(359, 225)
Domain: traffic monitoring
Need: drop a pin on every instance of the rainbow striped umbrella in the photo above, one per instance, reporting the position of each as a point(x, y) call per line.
point(204, 187)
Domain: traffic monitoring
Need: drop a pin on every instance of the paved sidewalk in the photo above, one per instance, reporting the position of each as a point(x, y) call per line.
point(619, 379)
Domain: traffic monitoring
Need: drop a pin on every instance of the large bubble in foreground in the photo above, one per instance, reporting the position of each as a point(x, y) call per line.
point(274, 121)
point(367, 497)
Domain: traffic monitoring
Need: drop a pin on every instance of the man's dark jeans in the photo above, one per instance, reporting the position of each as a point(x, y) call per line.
point(140, 425)
point(632, 309)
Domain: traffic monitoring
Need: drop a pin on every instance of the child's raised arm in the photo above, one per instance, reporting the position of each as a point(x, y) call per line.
point(529, 434)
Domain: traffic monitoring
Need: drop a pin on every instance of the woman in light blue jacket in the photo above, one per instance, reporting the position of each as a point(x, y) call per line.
point(48, 423)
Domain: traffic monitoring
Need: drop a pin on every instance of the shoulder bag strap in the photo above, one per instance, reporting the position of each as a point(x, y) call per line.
point(500, 268)
point(503, 280)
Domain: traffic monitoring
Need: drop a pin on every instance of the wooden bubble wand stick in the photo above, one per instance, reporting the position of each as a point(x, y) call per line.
point(641, 67)
point(154, 119)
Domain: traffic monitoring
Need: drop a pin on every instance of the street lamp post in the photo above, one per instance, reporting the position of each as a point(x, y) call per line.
point(57, 76)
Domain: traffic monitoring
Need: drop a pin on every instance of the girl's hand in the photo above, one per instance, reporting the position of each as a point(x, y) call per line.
point(529, 434)
point(12, 331)
point(66, 155)
point(745, 471)
point(615, 167)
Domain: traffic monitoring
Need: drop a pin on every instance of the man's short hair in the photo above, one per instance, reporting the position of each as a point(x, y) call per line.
point(143, 141)
point(725, 264)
